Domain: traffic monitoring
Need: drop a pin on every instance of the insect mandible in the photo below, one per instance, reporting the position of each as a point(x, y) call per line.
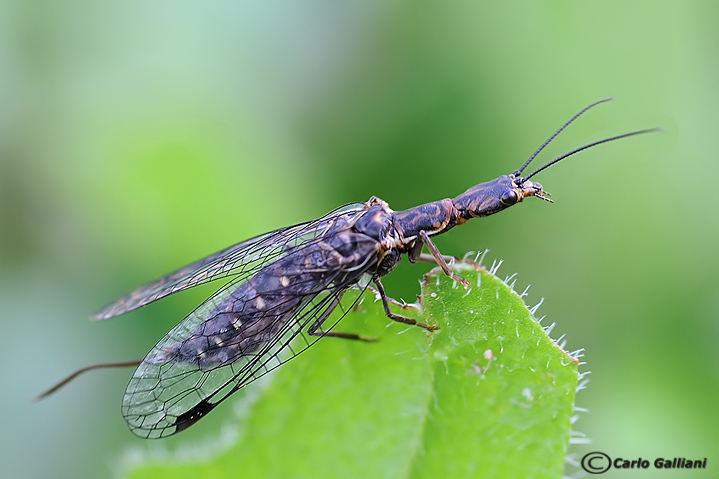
point(282, 287)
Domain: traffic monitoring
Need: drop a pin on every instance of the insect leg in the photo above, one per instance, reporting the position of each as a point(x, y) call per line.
point(415, 254)
point(401, 304)
point(397, 317)
point(428, 258)
point(439, 259)
point(314, 329)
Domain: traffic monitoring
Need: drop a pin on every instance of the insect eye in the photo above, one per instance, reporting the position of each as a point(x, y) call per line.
point(509, 198)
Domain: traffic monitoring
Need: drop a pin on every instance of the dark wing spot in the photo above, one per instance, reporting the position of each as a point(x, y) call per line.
point(189, 418)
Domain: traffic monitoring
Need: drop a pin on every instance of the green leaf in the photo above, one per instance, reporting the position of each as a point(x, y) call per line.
point(503, 391)
point(488, 395)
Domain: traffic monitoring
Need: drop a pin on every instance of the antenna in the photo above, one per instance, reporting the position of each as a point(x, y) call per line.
point(561, 128)
point(577, 150)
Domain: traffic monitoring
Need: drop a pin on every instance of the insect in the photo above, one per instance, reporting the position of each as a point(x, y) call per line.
point(282, 287)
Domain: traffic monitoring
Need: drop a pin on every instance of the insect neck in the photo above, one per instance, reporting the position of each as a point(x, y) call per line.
point(433, 218)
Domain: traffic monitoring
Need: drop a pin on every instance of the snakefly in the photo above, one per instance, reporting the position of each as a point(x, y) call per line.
point(281, 288)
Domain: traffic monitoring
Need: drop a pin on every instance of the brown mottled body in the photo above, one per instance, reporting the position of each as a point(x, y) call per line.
point(369, 243)
point(282, 287)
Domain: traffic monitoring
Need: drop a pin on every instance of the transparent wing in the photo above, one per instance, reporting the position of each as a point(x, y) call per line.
point(203, 360)
point(241, 260)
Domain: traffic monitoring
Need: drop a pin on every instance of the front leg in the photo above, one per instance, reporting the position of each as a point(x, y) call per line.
point(415, 255)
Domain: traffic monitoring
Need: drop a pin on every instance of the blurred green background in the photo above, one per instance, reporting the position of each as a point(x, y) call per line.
point(138, 136)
